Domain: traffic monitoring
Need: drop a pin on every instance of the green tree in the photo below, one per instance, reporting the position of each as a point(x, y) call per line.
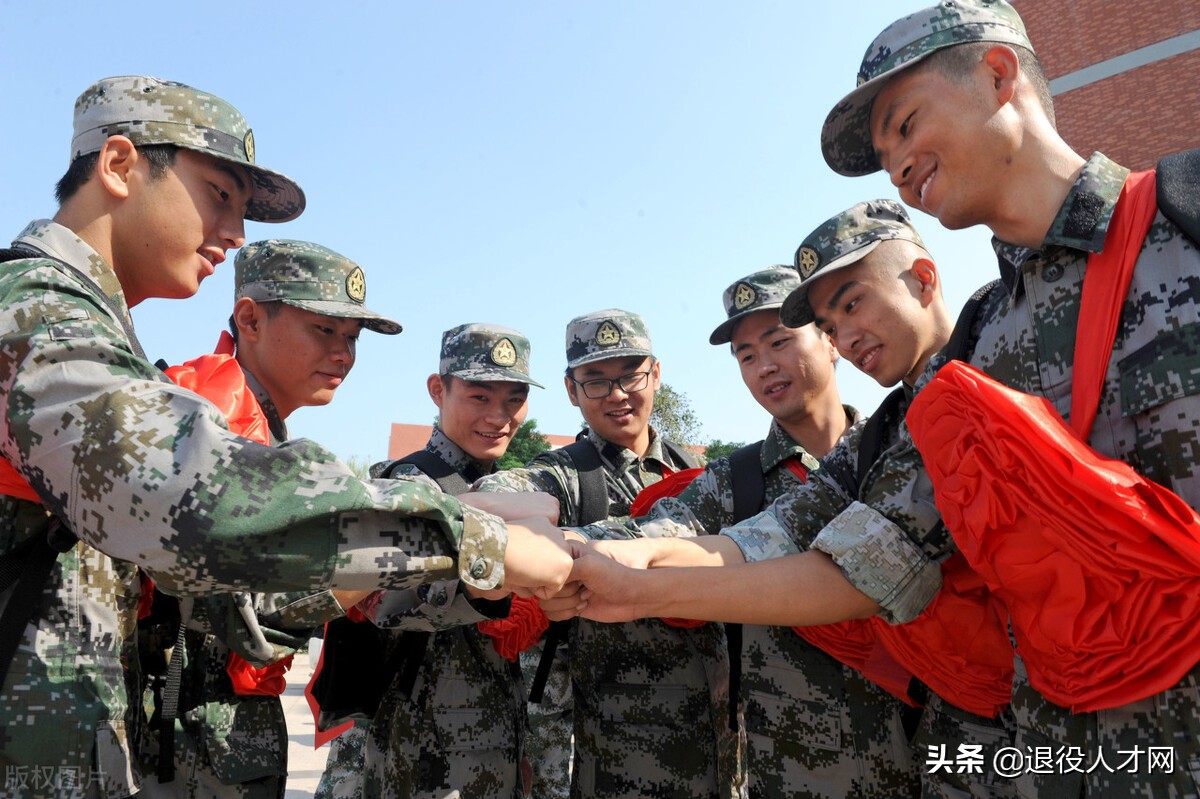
point(527, 443)
point(674, 418)
point(719, 449)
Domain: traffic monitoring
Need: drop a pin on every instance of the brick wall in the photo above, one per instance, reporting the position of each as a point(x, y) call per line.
point(1135, 117)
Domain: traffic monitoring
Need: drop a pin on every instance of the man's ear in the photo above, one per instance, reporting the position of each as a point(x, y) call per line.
point(924, 271)
point(656, 375)
point(247, 317)
point(571, 388)
point(437, 390)
point(1003, 69)
point(115, 164)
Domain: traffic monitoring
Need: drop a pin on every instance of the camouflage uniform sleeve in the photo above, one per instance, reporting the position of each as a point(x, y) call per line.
point(705, 506)
point(879, 559)
point(439, 605)
point(547, 472)
point(147, 472)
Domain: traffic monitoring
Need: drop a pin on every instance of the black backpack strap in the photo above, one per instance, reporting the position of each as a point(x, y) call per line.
point(1177, 185)
point(433, 467)
point(749, 491)
point(593, 491)
point(681, 457)
point(749, 483)
point(28, 581)
point(593, 506)
point(871, 443)
point(961, 344)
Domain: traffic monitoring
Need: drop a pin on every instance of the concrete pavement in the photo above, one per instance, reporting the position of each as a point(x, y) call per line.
point(305, 764)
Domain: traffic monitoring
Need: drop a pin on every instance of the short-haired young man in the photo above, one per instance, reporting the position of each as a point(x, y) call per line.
point(857, 539)
point(611, 377)
point(814, 726)
point(453, 716)
point(295, 328)
point(97, 441)
point(953, 104)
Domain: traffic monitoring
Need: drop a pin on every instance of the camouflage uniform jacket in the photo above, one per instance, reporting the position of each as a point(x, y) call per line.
point(147, 475)
point(1149, 417)
point(232, 738)
point(646, 723)
point(816, 728)
point(460, 730)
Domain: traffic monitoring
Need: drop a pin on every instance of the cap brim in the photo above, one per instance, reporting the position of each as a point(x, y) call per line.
point(346, 310)
point(846, 134)
point(276, 197)
point(796, 310)
point(499, 374)
point(631, 352)
point(724, 332)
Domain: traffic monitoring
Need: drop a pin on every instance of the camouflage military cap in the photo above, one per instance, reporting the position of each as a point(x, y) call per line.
point(761, 291)
point(841, 241)
point(846, 135)
point(152, 111)
point(606, 334)
point(480, 352)
point(307, 276)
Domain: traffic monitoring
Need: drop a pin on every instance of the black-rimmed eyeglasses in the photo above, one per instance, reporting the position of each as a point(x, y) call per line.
point(601, 387)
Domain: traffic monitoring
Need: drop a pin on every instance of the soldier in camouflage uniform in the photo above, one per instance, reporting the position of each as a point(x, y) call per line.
point(848, 542)
point(646, 721)
point(298, 312)
point(923, 85)
point(456, 722)
point(145, 473)
point(815, 727)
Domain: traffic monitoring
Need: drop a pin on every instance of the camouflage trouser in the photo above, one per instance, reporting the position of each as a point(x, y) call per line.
point(548, 744)
point(195, 779)
point(817, 729)
point(344, 768)
point(945, 771)
point(1121, 751)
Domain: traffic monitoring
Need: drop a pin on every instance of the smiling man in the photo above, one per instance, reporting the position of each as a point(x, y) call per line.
point(96, 442)
point(848, 740)
point(297, 316)
point(611, 377)
point(953, 104)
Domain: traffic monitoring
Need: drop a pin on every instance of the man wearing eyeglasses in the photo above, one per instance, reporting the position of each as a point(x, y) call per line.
point(607, 702)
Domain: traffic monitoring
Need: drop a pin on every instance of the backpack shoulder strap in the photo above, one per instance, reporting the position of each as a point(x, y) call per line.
point(593, 493)
point(749, 484)
point(1178, 191)
point(433, 467)
point(871, 443)
point(680, 455)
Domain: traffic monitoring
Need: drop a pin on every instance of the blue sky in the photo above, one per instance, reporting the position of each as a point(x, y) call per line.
point(510, 162)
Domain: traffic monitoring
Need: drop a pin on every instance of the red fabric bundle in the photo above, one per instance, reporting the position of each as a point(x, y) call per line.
point(521, 629)
point(1097, 566)
point(959, 645)
point(857, 644)
point(251, 681)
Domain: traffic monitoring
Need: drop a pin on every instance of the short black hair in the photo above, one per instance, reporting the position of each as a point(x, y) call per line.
point(159, 156)
point(957, 62)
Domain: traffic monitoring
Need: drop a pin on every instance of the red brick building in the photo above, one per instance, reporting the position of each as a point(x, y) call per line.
point(1124, 74)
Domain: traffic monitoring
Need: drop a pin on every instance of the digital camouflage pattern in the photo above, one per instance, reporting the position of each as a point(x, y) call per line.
point(227, 744)
point(307, 276)
point(147, 475)
point(815, 728)
point(461, 730)
point(650, 701)
point(151, 111)
point(482, 352)
point(841, 241)
point(760, 291)
point(1149, 417)
point(888, 539)
point(846, 136)
point(601, 335)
